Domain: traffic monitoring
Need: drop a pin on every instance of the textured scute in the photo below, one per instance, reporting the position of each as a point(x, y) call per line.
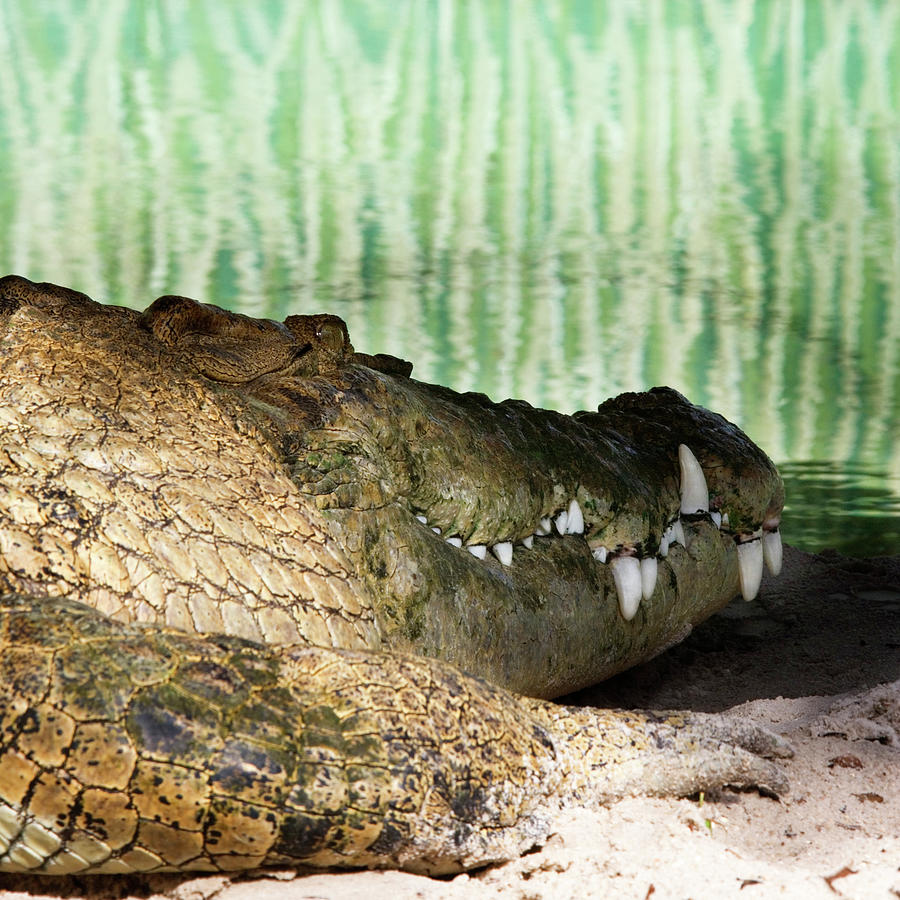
point(318, 754)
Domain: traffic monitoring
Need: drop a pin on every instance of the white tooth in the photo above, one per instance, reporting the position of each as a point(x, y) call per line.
point(544, 528)
point(575, 523)
point(664, 543)
point(694, 492)
point(600, 554)
point(771, 543)
point(503, 552)
point(750, 566)
point(422, 519)
point(648, 576)
point(725, 518)
point(626, 572)
point(560, 522)
point(435, 529)
point(677, 533)
point(455, 541)
point(479, 550)
point(528, 542)
point(717, 519)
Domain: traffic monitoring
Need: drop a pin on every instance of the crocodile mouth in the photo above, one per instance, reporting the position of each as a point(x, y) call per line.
point(629, 480)
point(499, 520)
point(635, 564)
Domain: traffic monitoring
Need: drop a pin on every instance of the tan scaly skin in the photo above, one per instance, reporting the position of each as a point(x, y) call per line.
point(188, 471)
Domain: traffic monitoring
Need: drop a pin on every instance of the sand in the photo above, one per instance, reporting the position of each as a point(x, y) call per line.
point(816, 658)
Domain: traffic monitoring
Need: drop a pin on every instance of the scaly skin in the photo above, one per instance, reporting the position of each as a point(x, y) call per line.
point(221, 754)
point(192, 470)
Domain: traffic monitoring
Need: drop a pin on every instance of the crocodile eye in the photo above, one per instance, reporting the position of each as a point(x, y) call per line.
point(331, 335)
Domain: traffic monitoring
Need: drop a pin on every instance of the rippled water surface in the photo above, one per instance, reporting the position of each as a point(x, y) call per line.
point(556, 201)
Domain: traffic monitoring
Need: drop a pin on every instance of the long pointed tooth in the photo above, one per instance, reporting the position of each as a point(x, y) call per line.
point(455, 541)
point(717, 519)
point(528, 542)
point(575, 523)
point(626, 572)
point(600, 554)
point(479, 550)
point(561, 521)
point(649, 569)
point(435, 529)
point(544, 528)
point(771, 544)
point(694, 492)
point(677, 533)
point(750, 567)
point(664, 542)
point(422, 519)
point(503, 552)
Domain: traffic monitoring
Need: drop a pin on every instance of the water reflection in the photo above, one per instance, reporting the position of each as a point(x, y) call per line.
point(555, 201)
point(836, 505)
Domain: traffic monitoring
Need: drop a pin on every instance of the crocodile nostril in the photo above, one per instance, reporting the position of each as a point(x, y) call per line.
point(300, 350)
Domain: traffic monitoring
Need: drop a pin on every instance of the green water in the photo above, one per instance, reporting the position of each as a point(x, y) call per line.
point(557, 201)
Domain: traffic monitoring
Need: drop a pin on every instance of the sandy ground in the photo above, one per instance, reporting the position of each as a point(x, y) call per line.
point(816, 658)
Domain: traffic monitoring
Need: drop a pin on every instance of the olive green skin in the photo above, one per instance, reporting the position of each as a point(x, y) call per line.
point(188, 471)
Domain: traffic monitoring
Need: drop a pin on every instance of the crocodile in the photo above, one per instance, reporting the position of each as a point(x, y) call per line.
point(268, 600)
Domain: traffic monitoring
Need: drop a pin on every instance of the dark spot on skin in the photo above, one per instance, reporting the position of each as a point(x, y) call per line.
point(29, 722)
point(8, 305)
point(540, 735)
point(391, 839)
point(210, 680)
point(160, 731)
point(302, 835)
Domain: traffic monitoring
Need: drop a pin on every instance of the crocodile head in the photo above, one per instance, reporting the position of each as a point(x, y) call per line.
point(539, 550)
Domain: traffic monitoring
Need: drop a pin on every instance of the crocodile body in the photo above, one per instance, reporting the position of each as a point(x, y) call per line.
point(300, 587)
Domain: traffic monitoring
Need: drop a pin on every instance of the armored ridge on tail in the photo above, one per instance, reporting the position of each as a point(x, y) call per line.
point(192, 469)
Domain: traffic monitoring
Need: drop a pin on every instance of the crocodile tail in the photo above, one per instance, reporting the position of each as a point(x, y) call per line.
point(129, 748)
point(139, 748)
